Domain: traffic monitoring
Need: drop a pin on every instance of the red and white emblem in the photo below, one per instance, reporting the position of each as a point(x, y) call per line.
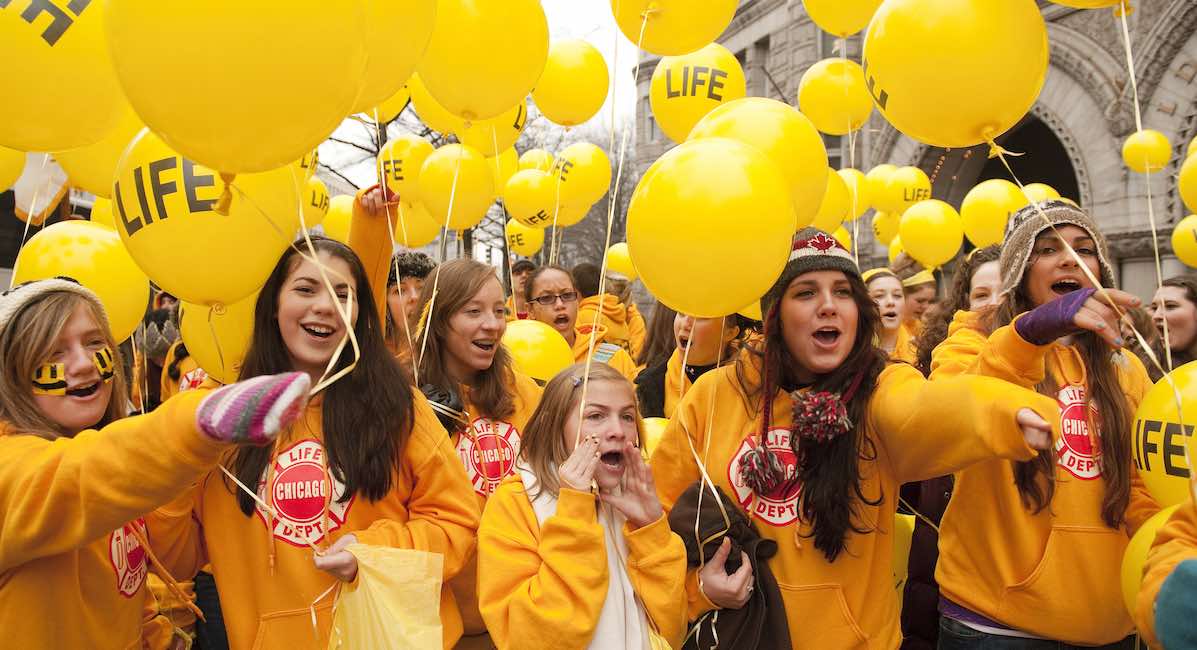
point(304, 495)
point(488, 450)
point(1074, 449)
point(779, 507)
point(193, 379)
point(128, 558)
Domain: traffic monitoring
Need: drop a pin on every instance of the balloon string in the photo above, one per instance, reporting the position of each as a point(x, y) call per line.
point(216, 339)
point(556, 205)
point(507, 247)
point(436, 276)
point(1121, 11)
point(265, 506)
point(28, 218)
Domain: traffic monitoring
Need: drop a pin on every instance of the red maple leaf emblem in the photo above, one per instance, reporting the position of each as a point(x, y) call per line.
point(820, 242)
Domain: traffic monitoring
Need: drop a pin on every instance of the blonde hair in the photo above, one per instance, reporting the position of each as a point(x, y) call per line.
point(27, 343)
point(543, 443)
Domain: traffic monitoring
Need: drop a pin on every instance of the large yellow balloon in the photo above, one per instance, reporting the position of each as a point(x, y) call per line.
point(833, 95)
point(165, 214)
point(1184, 240)
point(536, 159)
point(523, 240)
point(786, 136)
point(835, 206)
point(93, 168)
point(430, 111)
point(338, 221)
point(496, 134)
point(12, 163)
point(397, 31)
point(876, 180)
point(1160, 441)
point(986, 210)
point(1040, 192)
point(531, 197)
point(93, 255)
point(1146, 151)
point(885, 227)
point(456, 176)
point(1090, 4)
point(904, 187)
point(619, 260)
point(1186, 183)
point(414, 227)
point(841, 17)
point(101, 213)
point(571, 215)
point(502, 168)
point(711, 199)
point(844, 237)
point(537, 349)
point(390, 108)
point(858, 192)
point(931, 232)
point(316, 202)
point(574, 84)
point(400, 162)
point(485, 55)
point(672, 27)
point(997, 66)
point(685, 88)
point(1136, 556)
point(217, 338)
point(60, 89)
point(584, 172)
point(230, 84)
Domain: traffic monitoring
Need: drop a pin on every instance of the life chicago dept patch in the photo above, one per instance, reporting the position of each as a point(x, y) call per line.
point(1076, 452)
point(304, 494)
point(488, 450)
point(128, 558)
point(779, 507)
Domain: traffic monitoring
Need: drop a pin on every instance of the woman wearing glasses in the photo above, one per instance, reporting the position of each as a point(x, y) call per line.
point(552, 298)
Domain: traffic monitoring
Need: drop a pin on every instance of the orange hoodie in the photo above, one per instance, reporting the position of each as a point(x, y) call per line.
point(264, 565)
point(605, 352)
point(1175, 543)
point(613, 316)
point(637, 330)
point(72, 572)
point(1053, 574)
point(849, 603)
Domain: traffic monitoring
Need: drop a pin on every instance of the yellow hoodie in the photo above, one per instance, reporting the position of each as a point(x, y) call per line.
point(605, 352)
point(1175, 543)
point(72, 571)
point(614, 317)
point(264, 565)
point(1054, 574)
point(637, 330)
point(849, 603)
point(545, 587)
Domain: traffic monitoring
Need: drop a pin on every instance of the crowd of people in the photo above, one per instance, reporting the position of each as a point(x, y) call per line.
point(998, 411)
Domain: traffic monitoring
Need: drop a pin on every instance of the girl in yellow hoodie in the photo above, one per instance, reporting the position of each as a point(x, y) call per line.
point(76, 476)
point(701, 345)
point(1030, 550)
point(893, 337)
point(811, 434)
point(368, 463)
point(559, 568)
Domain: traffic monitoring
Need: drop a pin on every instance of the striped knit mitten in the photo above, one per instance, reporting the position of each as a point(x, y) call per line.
point(254, 411)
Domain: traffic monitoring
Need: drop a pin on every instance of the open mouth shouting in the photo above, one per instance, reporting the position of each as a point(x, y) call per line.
point(1066, 285)
point(827, 337)
point(890, 318)
point(612, 460)
point(561, 322)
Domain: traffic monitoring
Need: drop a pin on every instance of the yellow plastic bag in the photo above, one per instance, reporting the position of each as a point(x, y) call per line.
point(393, 605)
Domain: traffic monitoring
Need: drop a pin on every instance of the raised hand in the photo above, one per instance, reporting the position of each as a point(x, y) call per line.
point(376, 200)
point(726, 591)
point(1035, 430)
point(338, 562)
point(637, 500)
point(254, 411)
point(1077, 311)
point(577, 472)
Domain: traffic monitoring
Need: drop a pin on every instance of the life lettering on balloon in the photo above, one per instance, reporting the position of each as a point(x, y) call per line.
point(879, 94)
point(779, 507)
point(319, 201)
point(541, 216)
point(488, 450)
point(1159, 443)
point(711, 80)
point(61, 17)
point(915, 194)
point(309, 162)
point(515, 239)
point(521, 117)
point(1077, 451)
point(308, 501)
point(392, 170)
point(149, 183)
point(561, 168)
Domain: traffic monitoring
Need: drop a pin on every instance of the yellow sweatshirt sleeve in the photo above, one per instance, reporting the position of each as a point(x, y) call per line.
point(57, 496)
point(540, 587)
point(963, 420)
point(657, 568)
point(442, 508)
point(956, 354)
point(1174, 543)
point(1009, 357)
point(370, 239)
point(177, 535)
point(624, 365)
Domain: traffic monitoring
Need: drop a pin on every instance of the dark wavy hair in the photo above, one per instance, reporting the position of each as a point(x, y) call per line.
point(935, 328)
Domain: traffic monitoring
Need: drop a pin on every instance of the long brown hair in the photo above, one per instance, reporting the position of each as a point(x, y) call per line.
point(27, 343)
point(491, 392)
point(659, 343)
point(829, 472)
point(366, 416)
point(935, 327)
point(542, 446)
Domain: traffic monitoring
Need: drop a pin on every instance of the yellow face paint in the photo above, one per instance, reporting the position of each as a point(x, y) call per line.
point(50, 379)
point(105, 364)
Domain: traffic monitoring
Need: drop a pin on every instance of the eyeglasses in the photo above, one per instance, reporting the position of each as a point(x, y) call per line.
point(550, 299)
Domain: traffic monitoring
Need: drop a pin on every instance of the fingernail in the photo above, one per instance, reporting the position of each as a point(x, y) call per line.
point(1118, 341)
point(1101, 326)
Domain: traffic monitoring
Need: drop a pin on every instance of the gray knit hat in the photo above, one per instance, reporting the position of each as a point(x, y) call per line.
point(1027, 224)
point(814, 250)
point(26, 293)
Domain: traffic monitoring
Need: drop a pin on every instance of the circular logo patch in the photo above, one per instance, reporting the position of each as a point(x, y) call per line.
point(303, 494)
point(779, 507)
point(1075, 449)
point(128, 558)
point(488, 451)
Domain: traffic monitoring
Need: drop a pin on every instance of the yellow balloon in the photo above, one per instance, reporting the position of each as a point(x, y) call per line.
point(1187, 183)
point(430, 111)
point(654, 430)
point(672, 27)
point(1189, 149)
point(93, 255)
point(1184, 240)
point(841, 17)
point(753, 311)
point(993, 76)
point(689, 208)
point(584, 172)
point(308, 164)
point(904, 187)
point(536, 159)
point(836, 203)
point(833, 95)
point(986, 210)
point(786, 136)
point(523, 240)
point(1040, 192)
point(537, 349)
point(218, 337)
point(531, 197)
point(390, 108)
point(619, 260)
point(485, 55)
point(12, 163)
point(1146, 151)
point(101, 213)
point(571, 215)
point(1135, 556)
point(165, 214)
point(204, 75)
point(931, 232)
point(1159, 439)
point(895, 248)
point(414, 227)
point(457, 176)
point(1090, 4)
point(844, 237)
point(496, 134)
point(339, 219)
point(316, 202)
point(858, 192)
point(876, 180)
point(61, 91)
point(397, 31)
point(502, 168)
point(93, 168)
point(685, 88)
point(885, 227)
point(400, 162)
point(574, 84)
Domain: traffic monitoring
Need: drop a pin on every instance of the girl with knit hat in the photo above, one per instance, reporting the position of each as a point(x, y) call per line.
point(1053, 528)
point(811, 433)
point(77, 476)
point(405, 282)
point(368, 462)
point(886, 291)
point(700, 345)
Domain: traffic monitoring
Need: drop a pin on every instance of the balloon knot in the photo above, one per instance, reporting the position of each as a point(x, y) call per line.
point(996, 150)
point(225, 201)
point(1124, 9)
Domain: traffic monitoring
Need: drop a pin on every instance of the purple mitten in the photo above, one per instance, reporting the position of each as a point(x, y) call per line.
point(255, 410)
point(1050, 321)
